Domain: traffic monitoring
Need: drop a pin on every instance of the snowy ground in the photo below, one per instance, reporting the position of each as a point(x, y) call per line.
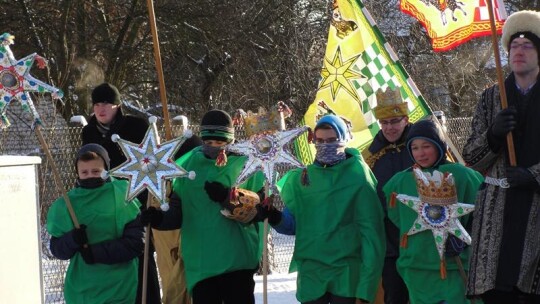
point(281, 288)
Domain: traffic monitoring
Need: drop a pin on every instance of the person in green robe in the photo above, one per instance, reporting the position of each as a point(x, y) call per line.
point(103, 251)
point(419, 262)
point(333, 209)
point(221, 254)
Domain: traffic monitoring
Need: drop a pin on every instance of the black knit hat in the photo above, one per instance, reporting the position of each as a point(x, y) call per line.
point(430, 131)
point(217, 125)
point(106, 93)
point(99, 150)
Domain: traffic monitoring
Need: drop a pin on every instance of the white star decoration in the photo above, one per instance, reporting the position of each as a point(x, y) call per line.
point(264, 151)
point(16, 81)
point(440, 219)
point(150, 163)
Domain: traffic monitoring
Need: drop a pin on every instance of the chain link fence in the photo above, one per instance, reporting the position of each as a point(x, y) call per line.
point(64, 142)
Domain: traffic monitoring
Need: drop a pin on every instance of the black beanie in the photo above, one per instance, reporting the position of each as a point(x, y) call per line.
point(106, 93)
point(98, 149)
point(217, 125)
point(430, 131)
point(529, 35)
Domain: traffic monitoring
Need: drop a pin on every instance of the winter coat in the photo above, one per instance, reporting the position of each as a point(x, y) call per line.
point(115, 236)
point(386, 159)
point(340, 244)
point(506, 242)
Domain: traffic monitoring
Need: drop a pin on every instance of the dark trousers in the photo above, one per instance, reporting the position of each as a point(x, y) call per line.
point(153, 292)
point(332, 299)
point(504, 297)
point(395, 290)
point(235, 287)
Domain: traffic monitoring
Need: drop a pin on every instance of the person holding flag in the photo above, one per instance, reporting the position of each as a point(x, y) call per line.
point(505, 265)
point(387, 156)
point(333, 209)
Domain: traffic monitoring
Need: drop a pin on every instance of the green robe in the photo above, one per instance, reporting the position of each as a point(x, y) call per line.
point(211, 243)
point(105, 213)
point(340, 242)
point(419, 260)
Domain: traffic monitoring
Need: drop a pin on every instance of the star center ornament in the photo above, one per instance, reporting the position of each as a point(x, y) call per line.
point(437, 208)
point(16, 81)
point(149, 164)
point(266, 146)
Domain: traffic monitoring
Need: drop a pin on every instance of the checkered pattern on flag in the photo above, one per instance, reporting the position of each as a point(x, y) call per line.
point(451, 23)
point(357, 64)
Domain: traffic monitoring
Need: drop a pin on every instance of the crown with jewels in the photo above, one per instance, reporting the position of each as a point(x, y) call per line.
point(390, 104)
point(436, 188)
point(266, 121)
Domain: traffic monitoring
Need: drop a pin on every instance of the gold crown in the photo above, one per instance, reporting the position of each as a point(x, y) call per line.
point(266, 122)
point(390, 104)
point(437, 188)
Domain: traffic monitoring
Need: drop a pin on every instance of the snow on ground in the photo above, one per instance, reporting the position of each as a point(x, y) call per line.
point(281, 288)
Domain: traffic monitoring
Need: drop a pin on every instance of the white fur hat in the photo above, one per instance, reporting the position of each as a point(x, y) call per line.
point(522, 21)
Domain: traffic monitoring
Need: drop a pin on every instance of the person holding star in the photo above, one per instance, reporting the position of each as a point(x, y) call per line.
point(333, 209)
point(419, 258)
point(221, 250)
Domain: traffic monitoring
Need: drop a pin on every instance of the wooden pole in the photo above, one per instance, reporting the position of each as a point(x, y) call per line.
point(159, 68)
point(500, 79)
point(56, 176)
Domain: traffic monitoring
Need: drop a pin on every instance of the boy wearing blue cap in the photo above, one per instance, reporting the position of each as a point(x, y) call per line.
point(333, 209)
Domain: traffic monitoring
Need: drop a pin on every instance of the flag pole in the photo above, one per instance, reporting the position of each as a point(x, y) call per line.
point(159, 68)
point(500, 80)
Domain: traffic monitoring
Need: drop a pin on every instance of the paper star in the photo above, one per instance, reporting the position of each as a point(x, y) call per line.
point(338, 74)
point(264, 151)
point(441, 220)
point(149, 164)
point(16, 81)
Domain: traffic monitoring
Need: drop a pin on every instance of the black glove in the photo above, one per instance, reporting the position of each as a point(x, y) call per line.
point(87, 255)
point(520, 177)
point(217, 191)
point(79, 235)
point(151, 216)
point(454, 246)
point(267, 210)
point(505, 121)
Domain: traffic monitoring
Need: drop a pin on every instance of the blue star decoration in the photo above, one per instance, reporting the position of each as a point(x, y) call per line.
point(149, 164)
point(440, 219)
point(16, 81)
point(264, 151)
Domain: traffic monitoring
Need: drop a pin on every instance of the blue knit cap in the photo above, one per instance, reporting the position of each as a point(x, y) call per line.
point(339, 126)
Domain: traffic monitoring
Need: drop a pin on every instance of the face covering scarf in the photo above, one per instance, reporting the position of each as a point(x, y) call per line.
point(328, 154)
point(211, 152)
point(91, 183)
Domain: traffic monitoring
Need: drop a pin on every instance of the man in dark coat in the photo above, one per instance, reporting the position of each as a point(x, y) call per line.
point(107, 120)
point(387, 156)
point(504, 266)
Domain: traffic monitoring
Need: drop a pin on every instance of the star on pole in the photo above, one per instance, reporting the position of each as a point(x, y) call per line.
point(440, 219)
point(149, 164)
point(264, 151)
point(338, 74)
point(16, 81)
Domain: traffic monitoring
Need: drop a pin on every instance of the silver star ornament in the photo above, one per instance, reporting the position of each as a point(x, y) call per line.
point(149, 164)
point(264, 152)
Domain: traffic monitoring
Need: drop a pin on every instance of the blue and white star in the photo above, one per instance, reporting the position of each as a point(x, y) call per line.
point(149, 164)
point(264, 151)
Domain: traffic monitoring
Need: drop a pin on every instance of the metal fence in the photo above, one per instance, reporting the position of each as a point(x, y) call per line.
point(64, 142)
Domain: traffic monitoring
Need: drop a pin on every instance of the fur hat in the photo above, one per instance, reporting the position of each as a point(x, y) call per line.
point(522, 22)
point(106, 93)
point(337, 124)
point(99, 150)
point(431, 131)
point(217, 125)
point(390, 104)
